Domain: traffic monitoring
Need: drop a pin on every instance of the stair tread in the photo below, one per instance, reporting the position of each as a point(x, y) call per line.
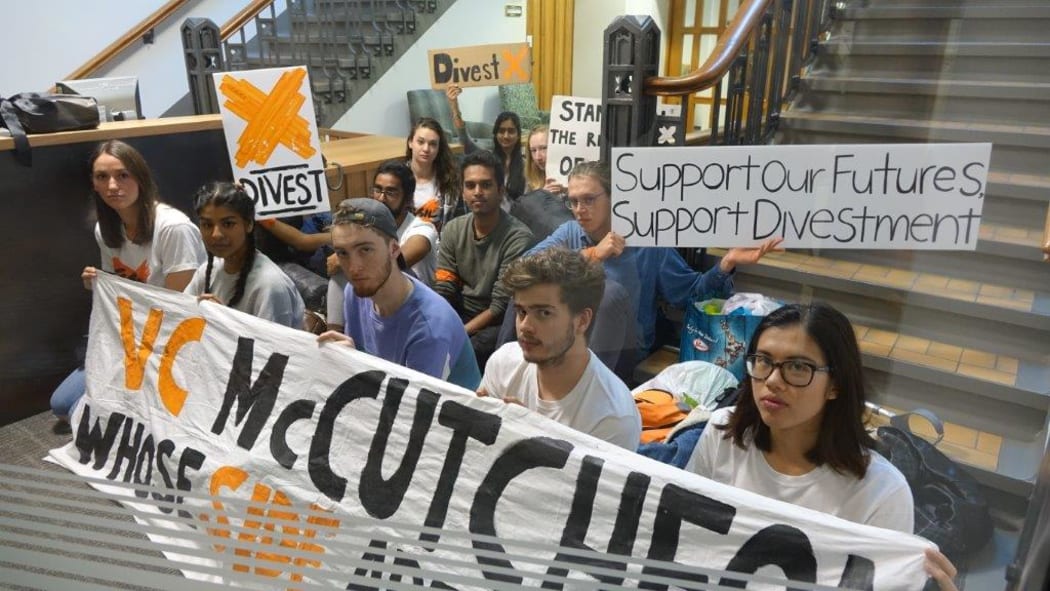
point(933, 130)
point(1011, 234)
point(924, 11)
point(986, 295)
point(1017, 49)
point(1036, 90)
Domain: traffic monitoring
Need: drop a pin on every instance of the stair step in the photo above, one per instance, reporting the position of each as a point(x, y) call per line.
point(1021, 10)
point(986, 89)
point(1010, 241)
point(931, 48)
point(916, 24)
point(1030, 187)
point(1001, 303)
point(1016, 149)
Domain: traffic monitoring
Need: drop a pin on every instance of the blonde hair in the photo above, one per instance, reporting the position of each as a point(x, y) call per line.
point(534, 177)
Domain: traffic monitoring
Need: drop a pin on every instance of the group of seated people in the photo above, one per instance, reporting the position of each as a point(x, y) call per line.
point(452, 284)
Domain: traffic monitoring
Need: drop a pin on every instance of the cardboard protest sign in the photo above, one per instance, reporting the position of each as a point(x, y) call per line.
point(575, 128)
point(213, 406)
point(275, 151)
point(882, 196)
point(480, 65)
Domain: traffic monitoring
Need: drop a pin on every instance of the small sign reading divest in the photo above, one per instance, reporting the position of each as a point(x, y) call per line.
point(275, 151)
point(575, 129)
point(885, 196)
point(480, 65)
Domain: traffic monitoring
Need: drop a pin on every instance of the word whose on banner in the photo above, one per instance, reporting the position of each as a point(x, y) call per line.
point(275, 151)
point(480, 65)
point(212, 405)
point(885, 196)
point(575, 128)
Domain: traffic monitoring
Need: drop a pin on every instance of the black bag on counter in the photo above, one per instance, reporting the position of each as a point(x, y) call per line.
point(31, 112)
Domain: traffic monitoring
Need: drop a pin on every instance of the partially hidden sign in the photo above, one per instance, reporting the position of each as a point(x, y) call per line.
point(575, 131)
point(881, 196)
point(217, 408)
point(271, 134)
point(480, 65)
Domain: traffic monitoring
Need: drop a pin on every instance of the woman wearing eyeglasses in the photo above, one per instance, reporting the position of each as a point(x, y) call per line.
point(797, 433)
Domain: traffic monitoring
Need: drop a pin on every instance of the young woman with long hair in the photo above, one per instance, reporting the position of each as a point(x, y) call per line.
point(536, 163)
point(139, 238)
point(236, 273)
point(437, 195)
point(797, 432)
point(506, 132)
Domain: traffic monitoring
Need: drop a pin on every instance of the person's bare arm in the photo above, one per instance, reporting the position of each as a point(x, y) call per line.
point(295, 238)
point(178, 280)
point(414, 249)
point(485, 318)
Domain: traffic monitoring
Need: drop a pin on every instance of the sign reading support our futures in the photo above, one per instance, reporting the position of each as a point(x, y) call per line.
point(275, 151)
point(215, 407)
point(882, 196)
point(575, 129)
point(480, 65)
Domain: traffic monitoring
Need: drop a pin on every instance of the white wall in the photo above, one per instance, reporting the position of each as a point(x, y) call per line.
point(384, 109)
point(49, 51)
point(590, 21)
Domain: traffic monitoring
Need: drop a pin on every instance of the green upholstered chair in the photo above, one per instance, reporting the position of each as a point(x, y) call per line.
point(521, 98)
point(427, 102)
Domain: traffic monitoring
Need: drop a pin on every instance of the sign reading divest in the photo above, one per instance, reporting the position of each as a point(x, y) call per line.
point(575, 128)
point(884, 196)
point(480, 65)
point(275, 151)
point(217, 407)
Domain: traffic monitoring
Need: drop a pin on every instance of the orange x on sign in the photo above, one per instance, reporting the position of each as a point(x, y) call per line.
point(272, 118)
point(513, 64)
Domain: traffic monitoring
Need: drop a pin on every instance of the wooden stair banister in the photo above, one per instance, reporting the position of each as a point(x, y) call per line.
point(242, 17)
point(127, 39)
point(1046, 237)
point(717, 64)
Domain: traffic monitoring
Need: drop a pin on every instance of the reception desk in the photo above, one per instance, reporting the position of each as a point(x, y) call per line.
point(48, 216)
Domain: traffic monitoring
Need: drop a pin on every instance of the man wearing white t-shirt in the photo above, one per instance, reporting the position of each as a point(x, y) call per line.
point(549, 369)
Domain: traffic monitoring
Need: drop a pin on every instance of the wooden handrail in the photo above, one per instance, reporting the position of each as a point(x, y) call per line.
point(134, 34)
point(241, 18)
point(735, 36)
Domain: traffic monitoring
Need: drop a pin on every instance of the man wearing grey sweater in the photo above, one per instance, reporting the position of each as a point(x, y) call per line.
point(476, 248)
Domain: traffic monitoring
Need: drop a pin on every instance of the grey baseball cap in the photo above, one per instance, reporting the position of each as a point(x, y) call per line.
point(368, 212)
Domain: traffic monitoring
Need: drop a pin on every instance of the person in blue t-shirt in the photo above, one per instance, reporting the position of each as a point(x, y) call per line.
point(389, 313)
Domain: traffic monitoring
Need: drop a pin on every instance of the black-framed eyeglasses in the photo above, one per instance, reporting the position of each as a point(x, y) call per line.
point(794, 372)
point(388, 192)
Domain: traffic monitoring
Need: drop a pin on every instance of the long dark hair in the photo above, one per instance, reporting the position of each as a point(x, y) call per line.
point(444, 165)
point(233, 197)
point(516, 170)
point(109, 223)
point(842, 442)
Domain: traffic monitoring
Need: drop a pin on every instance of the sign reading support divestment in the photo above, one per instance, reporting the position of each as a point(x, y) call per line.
point(882, 196)
point(575, 129)
point(216, 408)
point(480, 65)
point(275, 152)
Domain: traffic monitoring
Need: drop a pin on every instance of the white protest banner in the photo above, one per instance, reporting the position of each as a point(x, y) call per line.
point(271, 134)
point(215, 405)
point(480, 65)
point(881, 196)
point(575, 129)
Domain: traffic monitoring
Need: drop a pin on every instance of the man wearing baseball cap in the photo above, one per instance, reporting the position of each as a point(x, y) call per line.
point(389, 313)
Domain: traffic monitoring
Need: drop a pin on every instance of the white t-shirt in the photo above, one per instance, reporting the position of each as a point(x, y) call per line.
point(269, 293)
point(600, 404)
point(176, 246)
point(414, 226)
point(424, 193)
point(882, 498)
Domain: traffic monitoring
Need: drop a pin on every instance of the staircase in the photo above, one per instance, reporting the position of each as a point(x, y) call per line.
point(966, 334)
point(346, 44)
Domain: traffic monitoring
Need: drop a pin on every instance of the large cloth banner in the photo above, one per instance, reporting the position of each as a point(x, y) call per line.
point(574, 136)
point(882, 196)
point(271, 133)
point(209, 402)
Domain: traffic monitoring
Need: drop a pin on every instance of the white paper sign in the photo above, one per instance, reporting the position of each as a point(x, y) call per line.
point(271, 134)
point(882, 196)
point(215, 405)
point(575, 129)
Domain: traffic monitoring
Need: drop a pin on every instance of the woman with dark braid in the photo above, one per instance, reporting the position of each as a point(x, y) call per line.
point(237, 274)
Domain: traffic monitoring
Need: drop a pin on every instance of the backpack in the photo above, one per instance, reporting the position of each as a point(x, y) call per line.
point(31, 112)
